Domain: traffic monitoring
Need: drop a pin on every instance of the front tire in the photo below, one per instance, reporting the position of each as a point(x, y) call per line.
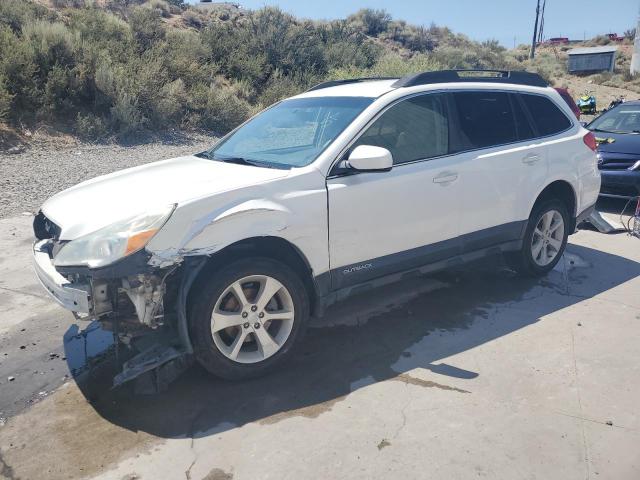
point(544, 241)
point(247, 317)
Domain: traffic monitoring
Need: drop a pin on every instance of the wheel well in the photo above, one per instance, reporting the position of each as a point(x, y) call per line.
point(271, 247)
point(563, 191)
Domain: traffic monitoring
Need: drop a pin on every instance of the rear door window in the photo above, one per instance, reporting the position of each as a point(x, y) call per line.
point(485, 119)
point(524, 129)
point(548, 117)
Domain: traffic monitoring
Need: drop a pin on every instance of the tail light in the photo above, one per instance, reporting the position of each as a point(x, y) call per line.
point(590, 141)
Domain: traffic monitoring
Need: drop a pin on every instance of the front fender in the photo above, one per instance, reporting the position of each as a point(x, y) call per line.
point(208, 233)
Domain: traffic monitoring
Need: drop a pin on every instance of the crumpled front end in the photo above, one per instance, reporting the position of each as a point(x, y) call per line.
point(138, 302)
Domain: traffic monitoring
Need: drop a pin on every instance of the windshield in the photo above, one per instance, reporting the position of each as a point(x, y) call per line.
point(290, 134)
point(622, 119)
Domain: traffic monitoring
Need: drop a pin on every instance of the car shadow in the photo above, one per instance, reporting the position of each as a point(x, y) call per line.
point(354, 351)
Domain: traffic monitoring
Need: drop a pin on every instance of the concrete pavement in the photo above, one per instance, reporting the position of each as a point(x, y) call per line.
point(474, 373)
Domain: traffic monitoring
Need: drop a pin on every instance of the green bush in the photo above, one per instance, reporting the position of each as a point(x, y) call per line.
point(219, 107)
point(104, 67)
point(16, 13)
point(5, 100)
point(18, 69)
point(162, 7)
point(90, 126)
point(125, 115)
point(147, 27)
point(193, 18)
point(373, 22)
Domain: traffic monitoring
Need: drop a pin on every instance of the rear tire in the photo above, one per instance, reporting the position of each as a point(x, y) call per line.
point(247, 317)
point(545, 239)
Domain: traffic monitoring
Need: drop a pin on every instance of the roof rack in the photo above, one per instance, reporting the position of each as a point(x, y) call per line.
point(333, 83)
point(490, 76)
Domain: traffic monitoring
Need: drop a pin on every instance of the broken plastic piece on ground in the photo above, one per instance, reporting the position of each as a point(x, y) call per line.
point(160, 359)
point(603, 224)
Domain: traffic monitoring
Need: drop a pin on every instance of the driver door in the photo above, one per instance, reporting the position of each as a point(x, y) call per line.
point(386, 222)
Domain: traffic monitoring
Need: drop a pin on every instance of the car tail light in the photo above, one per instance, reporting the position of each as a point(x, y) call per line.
point(590, 141)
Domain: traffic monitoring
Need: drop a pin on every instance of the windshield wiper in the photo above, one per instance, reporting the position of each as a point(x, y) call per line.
point(620, 132)
point(237, 160)
point(243, 161)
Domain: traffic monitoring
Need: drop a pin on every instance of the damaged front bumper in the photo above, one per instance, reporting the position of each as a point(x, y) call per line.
point(94, 293)
point(144, 306)
point(72, 296)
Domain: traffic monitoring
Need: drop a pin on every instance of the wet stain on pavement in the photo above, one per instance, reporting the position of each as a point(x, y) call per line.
point(403, 377)
point(218, 474)
point(312, 411)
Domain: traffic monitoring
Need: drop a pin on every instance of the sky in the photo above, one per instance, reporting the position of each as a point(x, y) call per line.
point(504, 20)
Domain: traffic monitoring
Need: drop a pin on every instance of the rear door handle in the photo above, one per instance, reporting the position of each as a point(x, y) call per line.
point(531, 159)
point(446, 178)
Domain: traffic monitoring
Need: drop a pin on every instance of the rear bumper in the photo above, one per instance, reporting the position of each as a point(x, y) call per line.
point(620, 183)
point(72, 296)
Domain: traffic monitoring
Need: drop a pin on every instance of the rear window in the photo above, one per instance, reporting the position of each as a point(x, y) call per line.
point(485, 119)
point(548, 118)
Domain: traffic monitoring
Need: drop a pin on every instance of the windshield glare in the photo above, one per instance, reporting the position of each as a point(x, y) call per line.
point(293, 132)
point(622, 119)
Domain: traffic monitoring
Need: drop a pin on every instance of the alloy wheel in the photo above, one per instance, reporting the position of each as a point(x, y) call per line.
point(252, 319)
point(548, 237)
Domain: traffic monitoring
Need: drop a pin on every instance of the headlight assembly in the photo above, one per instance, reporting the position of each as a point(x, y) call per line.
point(115, 241)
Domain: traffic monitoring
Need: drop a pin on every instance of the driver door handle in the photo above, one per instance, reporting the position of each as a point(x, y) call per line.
point(445, 178)
point(531, 159)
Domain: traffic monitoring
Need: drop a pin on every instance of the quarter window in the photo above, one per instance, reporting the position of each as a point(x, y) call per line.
point(548, 118)
point(413, 129)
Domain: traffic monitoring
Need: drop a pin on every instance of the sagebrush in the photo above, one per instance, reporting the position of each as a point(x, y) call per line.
point(131, 65)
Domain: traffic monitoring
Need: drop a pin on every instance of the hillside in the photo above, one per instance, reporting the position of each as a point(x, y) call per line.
point(101, 69)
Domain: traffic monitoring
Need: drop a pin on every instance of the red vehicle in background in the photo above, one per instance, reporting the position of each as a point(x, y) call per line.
point(564, 93)
point(558, 41)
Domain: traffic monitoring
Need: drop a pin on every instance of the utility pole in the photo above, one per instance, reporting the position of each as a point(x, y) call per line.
point(541, 22)
point(532, 54)
point(635, 59)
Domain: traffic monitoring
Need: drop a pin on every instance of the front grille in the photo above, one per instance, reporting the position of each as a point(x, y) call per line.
point(44, 228)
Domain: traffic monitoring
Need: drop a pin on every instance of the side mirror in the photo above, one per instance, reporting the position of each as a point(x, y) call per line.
point(367, 158)
point(584, 124)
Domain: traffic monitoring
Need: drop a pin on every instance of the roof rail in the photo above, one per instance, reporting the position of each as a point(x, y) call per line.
point(490, 76)
point(333, 83)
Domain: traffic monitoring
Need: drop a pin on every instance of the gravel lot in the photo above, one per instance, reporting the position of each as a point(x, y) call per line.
point(27, 179)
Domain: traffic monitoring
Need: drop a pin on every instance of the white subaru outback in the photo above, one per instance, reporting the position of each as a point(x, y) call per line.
point(343, 188)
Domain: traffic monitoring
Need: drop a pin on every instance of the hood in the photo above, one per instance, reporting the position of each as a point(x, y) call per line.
point(104, 200)
point(627, 143)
